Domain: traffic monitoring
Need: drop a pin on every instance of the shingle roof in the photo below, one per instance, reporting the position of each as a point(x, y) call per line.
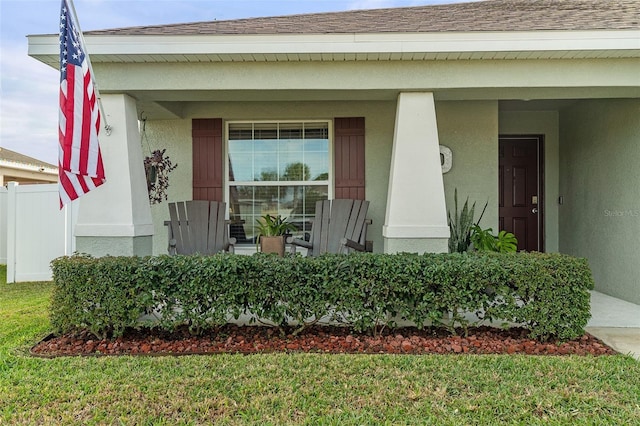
point(488, 15)
point(16, 157)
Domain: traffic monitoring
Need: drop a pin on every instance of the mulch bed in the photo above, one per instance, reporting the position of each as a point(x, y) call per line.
point(319, 339)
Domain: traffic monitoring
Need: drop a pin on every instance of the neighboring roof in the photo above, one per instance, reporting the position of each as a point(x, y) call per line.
point(488, 15)
point(16, 157)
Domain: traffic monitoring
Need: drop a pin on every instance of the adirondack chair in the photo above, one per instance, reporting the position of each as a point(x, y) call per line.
point(339, 226)
point(199, 227)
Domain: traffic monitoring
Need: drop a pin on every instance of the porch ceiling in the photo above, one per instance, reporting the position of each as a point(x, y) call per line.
point(172, 104)
point(536, 105)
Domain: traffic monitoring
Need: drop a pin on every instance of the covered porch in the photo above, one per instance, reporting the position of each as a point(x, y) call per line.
point(586, 200)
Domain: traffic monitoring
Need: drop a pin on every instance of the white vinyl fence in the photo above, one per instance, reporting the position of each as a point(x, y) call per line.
point(33, 230)
point(3, 225)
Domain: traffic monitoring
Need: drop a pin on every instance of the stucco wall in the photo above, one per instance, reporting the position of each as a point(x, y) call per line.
point(599, 179)
point(470, 129)
point(175, 137)
point(541, 123)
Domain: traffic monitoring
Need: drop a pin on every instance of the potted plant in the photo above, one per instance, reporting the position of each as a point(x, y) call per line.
point(271, 233)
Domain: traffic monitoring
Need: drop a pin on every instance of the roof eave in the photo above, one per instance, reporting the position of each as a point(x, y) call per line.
point(352, 46)
point(40, 168)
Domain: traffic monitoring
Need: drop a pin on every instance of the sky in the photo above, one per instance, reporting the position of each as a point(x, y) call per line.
point(29, 89)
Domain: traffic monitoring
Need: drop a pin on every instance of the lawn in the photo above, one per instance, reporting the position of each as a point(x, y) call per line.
point(299, 388)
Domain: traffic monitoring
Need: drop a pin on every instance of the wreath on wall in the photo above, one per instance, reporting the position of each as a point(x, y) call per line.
point(157, 167)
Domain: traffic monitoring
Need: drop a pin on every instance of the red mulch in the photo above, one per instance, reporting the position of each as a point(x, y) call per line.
point(319, 339)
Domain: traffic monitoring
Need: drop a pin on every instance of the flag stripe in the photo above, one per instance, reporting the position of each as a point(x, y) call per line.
point(83, 107)
point(79, 123)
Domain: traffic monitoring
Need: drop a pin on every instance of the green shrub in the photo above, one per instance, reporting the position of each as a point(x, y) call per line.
point(102, 295)
point(546, 293)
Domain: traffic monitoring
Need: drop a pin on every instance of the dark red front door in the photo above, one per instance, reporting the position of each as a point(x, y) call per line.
point(520, 196)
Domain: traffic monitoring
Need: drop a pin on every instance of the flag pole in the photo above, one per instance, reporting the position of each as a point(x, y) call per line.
point(74, 16)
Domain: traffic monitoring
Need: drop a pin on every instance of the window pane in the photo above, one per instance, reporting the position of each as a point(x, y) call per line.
point(265, 131)
point(303, 207)
point(318, 163)
point(241, 160)
point(241, 213)
point(291, 145)
point(291, 131)
point(316, 145)
point(241, 131)
point(316, 131)
point(241, 167)
point(265, 145)
point(293, 170)
point(240, 147)
point(266, 168)
point(249, 203)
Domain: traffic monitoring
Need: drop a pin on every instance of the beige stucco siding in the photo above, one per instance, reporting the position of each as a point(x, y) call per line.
point(600, 182)
point(175, 137)
point(541, 123)
point(470, 129)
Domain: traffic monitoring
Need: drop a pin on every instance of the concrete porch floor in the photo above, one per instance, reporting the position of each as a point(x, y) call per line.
point(615, 322)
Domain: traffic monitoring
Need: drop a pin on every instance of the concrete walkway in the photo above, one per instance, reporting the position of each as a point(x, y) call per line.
point(616, 323)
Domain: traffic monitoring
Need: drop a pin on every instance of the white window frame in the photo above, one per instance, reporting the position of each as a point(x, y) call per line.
point(330, 183)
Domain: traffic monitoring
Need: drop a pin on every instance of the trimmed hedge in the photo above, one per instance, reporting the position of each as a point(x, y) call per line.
point(547, 293)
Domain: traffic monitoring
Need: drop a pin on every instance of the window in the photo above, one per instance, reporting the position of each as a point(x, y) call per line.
point(276, 168)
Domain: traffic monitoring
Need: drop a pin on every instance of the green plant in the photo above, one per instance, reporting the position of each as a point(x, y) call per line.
point(506, 242)
point(273, 226)
point(546, 292)
point(484, 240)
point(103, 296)
point(462, 224)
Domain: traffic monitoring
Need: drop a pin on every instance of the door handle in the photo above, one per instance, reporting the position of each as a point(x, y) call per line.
point(534, 210)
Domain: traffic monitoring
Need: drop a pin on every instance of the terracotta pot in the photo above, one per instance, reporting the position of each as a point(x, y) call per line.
point(272, 245)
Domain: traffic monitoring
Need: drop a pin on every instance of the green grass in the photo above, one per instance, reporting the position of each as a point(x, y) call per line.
point(299, 389)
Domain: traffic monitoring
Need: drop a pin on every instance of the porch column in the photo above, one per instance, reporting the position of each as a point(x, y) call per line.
point(416, 218)
point(115, 218)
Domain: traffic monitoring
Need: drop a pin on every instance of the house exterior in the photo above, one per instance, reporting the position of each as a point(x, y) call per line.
point(16, 167)
point(533, 105)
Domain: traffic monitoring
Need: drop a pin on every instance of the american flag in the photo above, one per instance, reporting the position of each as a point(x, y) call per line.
point(80, 167)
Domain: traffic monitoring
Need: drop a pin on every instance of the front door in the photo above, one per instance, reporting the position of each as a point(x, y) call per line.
point(520, 189)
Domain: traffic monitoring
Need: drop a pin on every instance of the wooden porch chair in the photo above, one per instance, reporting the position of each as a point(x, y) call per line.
point(339, 226)
point(199, 226)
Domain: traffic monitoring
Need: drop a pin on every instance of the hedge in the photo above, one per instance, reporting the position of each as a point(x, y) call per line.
point(545, 293)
